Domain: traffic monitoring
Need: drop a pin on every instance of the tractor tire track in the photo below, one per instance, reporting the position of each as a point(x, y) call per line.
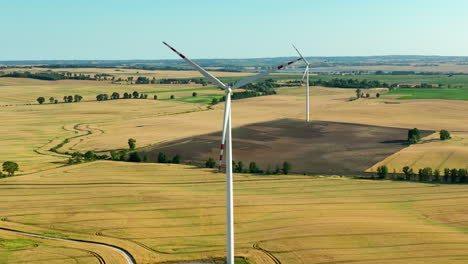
point(266, 252)
point(129, 259)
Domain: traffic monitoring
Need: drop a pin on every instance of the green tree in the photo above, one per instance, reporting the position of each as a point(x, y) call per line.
point(253, 168)
point(414, 136)
point(10, 167)
point(453, 175)
point(69, 99)
point(286, 167)
point(172, 96)
point(114, 155)
point(77, 98)
point(122, 155)
point(194, 94)
point(382, 171)
point(214, 101)
point(89, 156)
point(176, 159)
point(115, 95)
point(51, 100)
point(210, 163)
point(377, 95)
point(162, 157)
point(155, 97)
point(131, 143)
point(239, 167)
point(446, 175)
point(135, 94)
point(40, 100)
point(462, 173)
point(134, 157)
point(408, 171)
point(436, 175)
point(444, 135)
point(358, 93)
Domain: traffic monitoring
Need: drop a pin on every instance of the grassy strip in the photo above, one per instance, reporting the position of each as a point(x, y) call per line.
point(182, 90)
point(200, 99)
point(430, 93)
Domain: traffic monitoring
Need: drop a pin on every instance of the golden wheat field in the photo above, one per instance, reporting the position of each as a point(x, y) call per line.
point(176, 212)
point(161, 212)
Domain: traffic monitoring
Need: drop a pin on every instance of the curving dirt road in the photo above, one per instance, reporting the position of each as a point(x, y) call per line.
point(125, 254)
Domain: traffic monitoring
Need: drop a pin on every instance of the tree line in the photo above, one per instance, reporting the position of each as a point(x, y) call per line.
point(66, 99)
point(49, 76)
point(253, 168)
point(261, 88)
point(426, 174)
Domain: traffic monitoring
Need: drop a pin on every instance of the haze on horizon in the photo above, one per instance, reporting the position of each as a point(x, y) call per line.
point(123, 30)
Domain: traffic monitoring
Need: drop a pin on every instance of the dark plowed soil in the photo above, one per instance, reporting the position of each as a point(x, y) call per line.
point(317, 147)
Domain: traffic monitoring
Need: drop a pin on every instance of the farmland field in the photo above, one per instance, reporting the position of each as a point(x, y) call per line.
point(175, 212)
point(316, 148)
point(162, 212)
point(429, 93)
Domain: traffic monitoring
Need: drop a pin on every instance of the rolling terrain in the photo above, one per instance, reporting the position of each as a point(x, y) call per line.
point(163, 212)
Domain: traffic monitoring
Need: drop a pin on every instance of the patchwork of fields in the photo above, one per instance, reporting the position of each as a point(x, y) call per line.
point(161, 212)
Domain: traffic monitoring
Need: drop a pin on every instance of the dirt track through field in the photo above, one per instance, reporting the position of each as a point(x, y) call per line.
point(125, 254)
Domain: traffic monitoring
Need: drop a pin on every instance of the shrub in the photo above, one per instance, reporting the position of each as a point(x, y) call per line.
point(131, 143)
point(89, 156)
point(210, 163)
point(253, 168)
point(134, 157)
point(444, 135)
point(286, 167)
point(176, 159)
point(10, 167)
point(382, 171)
point(214, 101)
point(414, 136)
point(162, 157)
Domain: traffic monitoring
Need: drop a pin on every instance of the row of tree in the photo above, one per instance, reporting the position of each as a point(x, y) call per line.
point(66, 99)
point(414, 135)
point(48, 76)
point(426, 175)
point(253, 168)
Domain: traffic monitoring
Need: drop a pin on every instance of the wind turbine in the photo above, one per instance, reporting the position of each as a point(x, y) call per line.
point(227, 141)
point(306, 75)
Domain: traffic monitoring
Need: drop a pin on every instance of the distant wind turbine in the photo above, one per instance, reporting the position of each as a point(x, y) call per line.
point(227, 141)
point(306, 75)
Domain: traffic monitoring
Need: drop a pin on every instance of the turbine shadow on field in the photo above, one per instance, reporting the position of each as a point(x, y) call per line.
point(318, 147)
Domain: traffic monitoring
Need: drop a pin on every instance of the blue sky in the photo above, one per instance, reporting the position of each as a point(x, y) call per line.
point(117, 29)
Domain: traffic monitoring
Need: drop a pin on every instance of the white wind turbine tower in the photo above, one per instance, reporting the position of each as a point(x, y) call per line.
point(306, 75)
point(227, 141)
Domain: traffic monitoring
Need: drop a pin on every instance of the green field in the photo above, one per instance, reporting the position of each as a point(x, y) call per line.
point(200, 99)
point(430, 93)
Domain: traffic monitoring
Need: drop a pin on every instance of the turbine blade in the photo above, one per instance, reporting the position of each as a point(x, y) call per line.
point(227, 109)
point(305, 72)
point(249, 80)
point(260, 75)
point(300, 55)
point(210, 77)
